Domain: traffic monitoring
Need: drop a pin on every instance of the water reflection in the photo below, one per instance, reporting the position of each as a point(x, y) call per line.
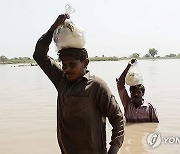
point(135, 137)
point(28, 107)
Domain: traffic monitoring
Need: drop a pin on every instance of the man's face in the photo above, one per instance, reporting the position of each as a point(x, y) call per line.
point(73, 68)
point(136, 94)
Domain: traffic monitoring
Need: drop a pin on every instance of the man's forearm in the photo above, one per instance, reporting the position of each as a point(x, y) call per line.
point(116, 120)
point(123, 75)
point(42, 45)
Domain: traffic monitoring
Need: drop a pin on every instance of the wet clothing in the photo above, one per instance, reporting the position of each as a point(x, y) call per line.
point(144, 113)
point(82, 107)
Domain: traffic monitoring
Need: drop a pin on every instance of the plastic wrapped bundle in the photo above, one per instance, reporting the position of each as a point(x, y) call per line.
point(69, 35)
point(134, 77)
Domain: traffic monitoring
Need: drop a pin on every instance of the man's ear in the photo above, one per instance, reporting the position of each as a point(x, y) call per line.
point(86, 62)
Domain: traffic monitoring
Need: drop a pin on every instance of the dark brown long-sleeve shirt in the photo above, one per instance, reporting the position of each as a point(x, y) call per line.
point(82, 107)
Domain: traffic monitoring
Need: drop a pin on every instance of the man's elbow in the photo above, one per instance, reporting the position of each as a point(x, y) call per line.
point(155, 120)
point(38, 51)
point(35, 56)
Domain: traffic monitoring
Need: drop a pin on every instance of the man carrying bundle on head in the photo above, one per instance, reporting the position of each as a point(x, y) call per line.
point(83, 102)
point(136, 109)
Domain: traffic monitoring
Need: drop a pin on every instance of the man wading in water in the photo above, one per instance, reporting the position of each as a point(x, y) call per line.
point(136, 109)
point(83, 102)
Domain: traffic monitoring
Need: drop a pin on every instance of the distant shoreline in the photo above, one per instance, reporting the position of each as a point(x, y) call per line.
point(32, 62)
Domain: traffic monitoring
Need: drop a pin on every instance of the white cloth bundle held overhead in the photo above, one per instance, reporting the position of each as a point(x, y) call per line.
point(69, 35)
point(134, 77)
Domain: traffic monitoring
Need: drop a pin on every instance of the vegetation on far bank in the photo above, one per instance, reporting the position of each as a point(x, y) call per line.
point(5, 60)
point(152, 54)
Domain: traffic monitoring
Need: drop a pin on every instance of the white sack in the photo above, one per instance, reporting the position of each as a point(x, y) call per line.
point(134, 77)
point(69, 35)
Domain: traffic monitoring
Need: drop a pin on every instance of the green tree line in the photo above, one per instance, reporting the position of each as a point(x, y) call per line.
point(152, 53)
point(5, 60)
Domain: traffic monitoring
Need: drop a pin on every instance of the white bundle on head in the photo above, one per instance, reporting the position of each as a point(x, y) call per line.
point(69, 35)
point(134, 77)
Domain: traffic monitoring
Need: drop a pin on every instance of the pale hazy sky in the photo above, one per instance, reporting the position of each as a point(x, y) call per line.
point(112, 27)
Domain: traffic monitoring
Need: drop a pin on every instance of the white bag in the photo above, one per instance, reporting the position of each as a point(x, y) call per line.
point(134, 77)
point(69, 35)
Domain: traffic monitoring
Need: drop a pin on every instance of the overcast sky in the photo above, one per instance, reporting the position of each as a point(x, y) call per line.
point(112, 27)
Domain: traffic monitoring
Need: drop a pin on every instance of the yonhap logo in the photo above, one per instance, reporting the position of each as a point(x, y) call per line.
point(155, 139)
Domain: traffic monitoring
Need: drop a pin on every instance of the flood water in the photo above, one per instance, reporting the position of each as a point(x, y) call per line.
point(28, 108)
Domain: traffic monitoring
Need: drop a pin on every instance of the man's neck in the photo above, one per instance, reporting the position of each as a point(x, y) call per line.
point(138, 104)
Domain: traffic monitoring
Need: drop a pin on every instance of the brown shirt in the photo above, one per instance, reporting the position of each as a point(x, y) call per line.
point(82, 108)
point(144, 113)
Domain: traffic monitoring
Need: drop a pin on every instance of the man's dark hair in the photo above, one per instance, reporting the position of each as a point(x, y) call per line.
point(140, 86)
point(77, 53)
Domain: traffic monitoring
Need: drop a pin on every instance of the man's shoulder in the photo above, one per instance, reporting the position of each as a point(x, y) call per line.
point(147, 103)
point(97, 79)
point(98, 82)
